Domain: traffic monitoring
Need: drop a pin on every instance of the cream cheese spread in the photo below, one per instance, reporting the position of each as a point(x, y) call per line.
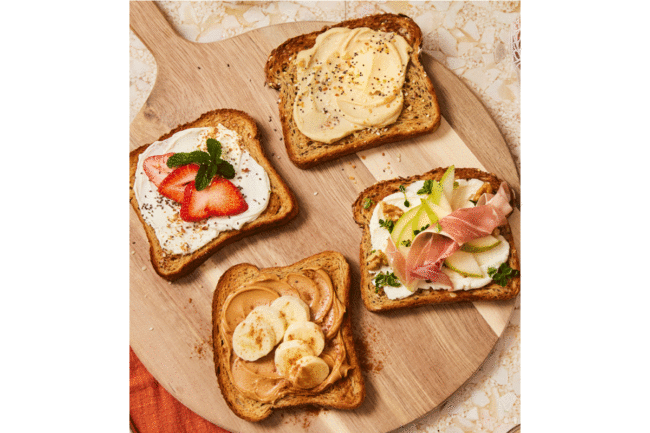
point(162, 214)
point(351, 79)
point(465, 190)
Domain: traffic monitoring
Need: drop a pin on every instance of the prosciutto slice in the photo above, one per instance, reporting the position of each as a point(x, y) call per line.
point(430, 248)
point(396, 261)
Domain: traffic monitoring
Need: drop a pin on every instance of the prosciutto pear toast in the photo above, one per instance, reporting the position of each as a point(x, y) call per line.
point(439, 237)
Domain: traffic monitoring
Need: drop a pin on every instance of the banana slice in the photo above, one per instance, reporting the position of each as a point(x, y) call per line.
point(308, 332)
point(253, 338)
point(292, 309)
point(288, 353)
point(273, 317)
point(308, 372)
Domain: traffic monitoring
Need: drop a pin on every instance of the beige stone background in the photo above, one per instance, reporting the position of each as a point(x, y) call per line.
point(479, 42)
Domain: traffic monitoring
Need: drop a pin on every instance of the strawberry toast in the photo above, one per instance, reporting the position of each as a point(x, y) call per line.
point(203, 186)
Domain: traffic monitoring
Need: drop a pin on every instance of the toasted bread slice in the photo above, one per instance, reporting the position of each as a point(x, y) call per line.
point(281, 208)
point(376, 300)
point(420, 114)
point(346, 393)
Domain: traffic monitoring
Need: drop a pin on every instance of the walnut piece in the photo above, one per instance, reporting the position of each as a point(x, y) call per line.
point(486, 187)
point(391, 212)
point(377, 260)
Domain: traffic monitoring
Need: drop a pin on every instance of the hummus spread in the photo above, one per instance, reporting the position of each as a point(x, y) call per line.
point(260, 380)
point(351, 79)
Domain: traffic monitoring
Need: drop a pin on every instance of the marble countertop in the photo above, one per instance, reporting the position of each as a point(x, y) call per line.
point(479, 42)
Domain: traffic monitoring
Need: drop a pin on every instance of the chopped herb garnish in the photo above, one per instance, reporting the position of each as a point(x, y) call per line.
point(504, 274)
point(456, 184)
point(210, 163)
point(367, 203)
point(474, 201)
point(387, 279)
point(427, 187)
point(406, 202)
point(387, 224)
point(416, 231)
point(406, 242)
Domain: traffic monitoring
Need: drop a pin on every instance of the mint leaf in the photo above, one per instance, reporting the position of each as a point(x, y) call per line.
point(210, 164)
point(212, 171)
point(226, 169)
point(201, 181)
point(185, 158)
point(214, 148)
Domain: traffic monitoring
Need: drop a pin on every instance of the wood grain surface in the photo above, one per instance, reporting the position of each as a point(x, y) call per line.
point(413, 360)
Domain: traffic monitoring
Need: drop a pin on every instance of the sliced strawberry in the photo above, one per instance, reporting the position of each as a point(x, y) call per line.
point(220, 198)
point(156, 168)
point(173, 186)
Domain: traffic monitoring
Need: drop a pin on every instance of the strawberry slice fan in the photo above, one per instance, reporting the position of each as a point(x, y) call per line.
point(154, 410)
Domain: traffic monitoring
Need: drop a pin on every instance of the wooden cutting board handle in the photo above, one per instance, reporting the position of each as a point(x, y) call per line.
point(153, 29)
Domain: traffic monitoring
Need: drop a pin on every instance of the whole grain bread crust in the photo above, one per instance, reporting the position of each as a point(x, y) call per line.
point(346, 393)
point(420, 114)
point(377, 301)
point(281, 209)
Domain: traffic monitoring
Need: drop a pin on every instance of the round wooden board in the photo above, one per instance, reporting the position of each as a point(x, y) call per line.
point(414, 359)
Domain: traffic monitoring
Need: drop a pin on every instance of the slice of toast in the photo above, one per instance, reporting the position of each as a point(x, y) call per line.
point(420, 114)
point(282, 206)
point(346, 393)
point(376, 300)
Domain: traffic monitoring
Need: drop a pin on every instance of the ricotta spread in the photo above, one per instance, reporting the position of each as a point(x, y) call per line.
point(162, 214)
point(351, 79)
point(490, 259)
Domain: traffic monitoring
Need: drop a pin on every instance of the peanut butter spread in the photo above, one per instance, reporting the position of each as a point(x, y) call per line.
point(260, 380)
point(351, 79)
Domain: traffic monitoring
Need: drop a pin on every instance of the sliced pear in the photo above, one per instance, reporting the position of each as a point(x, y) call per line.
point(436, 192)
point(480, 245)
point(461, 195)
point(425, 217)
point(442, 208)
point(406, 235)
point(447, 182)
point(465, 264)
point(402, 222)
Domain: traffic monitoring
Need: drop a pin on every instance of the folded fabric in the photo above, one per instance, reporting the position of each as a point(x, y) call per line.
point(154, 410)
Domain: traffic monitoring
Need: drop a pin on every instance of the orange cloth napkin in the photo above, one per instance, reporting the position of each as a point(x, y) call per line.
point(154, 410)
